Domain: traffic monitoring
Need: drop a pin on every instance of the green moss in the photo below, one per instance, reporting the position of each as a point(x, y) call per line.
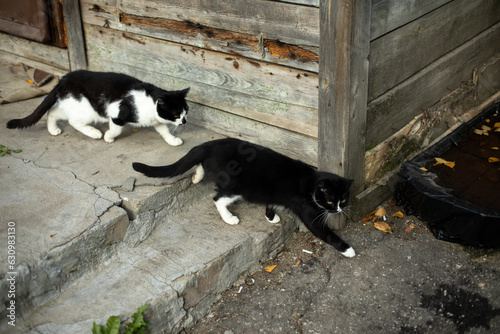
point(400, 149)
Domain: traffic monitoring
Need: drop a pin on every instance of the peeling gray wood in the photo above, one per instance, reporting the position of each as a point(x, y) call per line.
point(343, 88)
point(286, 142)
point(389, 15)
point(396, 108)
point(35, 51)
point(397, 56)
point(74, 32)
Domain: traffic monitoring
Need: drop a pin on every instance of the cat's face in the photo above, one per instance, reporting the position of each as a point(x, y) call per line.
point(333, 194)
point(172, 107)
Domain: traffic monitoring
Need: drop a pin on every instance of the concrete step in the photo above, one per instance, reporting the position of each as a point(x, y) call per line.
point(179, 271)
point(83, 228)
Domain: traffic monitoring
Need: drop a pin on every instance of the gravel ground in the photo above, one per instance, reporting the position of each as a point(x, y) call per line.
point(405, 281)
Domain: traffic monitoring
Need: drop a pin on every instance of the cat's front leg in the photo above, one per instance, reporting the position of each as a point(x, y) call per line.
point(271, 215)
point(165, 133)
point(87, 130)
point(312, 219)
point(114, 131)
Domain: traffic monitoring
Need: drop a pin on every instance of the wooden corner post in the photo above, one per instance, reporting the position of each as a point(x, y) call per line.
point(74, 32)
point(343, 89)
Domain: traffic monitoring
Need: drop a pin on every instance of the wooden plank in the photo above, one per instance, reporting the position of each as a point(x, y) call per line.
point(289, 143)
point(288, 23)
point(258, 79)
point(396, 108)
point(388, 15)
point(343, 89)
point(344, 49)
point(74, 32)
point(7, 57)
point(233, 84)
point(314, 3)
point(420, 42)
point(233, 43)
point(38, 52)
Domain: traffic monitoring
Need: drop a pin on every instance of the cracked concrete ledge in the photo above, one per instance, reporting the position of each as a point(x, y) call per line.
point(63, 194)
point(179, 271)
point(94, 238)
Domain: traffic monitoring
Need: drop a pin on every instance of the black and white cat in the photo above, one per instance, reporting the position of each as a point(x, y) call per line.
point(243, 170)
point(84, 98)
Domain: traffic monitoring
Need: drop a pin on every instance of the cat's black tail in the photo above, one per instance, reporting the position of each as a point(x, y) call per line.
point(194, 157)
point(41, 110)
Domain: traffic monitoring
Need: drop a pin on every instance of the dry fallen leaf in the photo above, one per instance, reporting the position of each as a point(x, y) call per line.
point(380, 212)
point(398, 214)
point(384, 227)
point(485, 128)
point(29, 81)
point(270, 268)
point(497, 125)
point(298, 262)
point(410, 228)
point(493, 159)
point(478, 132)
point(440, 161)
point(494, 148)
point(424, 169)
point(53, 235)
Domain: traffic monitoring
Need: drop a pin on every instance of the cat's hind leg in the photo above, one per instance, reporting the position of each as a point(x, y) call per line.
point(198, 174)
point(53, 116)
point(271, 215)
point(114, 131)
point(222, 202)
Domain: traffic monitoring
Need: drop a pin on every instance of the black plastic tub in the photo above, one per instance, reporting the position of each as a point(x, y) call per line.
point(450, 217)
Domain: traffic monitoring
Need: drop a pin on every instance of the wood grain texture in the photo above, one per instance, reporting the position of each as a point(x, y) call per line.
point(344, 49)
point(396, 108)
point(286, 142)
point(389, 15)
point(275, 20)
point(232, 84)
point(35, 51)
point(250, 45)
point(400, 54)
point(74, 33)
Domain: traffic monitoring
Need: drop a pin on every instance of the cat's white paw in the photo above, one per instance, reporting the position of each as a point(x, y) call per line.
point(275, 220)
point(55, 131)
point(108, 138)
point(231, 220)
point(94, 133)
point(198, 175)
point(175, 142)
point(349, 252)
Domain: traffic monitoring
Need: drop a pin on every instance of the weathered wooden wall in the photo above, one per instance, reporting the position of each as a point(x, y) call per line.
point(253, 64)
point(252, 69)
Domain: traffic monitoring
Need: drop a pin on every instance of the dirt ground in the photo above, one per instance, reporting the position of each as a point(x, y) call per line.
point(405, 281)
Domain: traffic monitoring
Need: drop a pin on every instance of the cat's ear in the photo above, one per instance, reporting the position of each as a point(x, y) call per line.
point(185, 91)
point(161, 102)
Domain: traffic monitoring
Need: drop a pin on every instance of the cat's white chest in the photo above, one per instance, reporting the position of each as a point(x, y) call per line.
point(146, 108)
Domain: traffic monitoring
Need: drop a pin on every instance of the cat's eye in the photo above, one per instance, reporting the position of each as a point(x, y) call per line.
point(329, 202)
point(342, 201)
